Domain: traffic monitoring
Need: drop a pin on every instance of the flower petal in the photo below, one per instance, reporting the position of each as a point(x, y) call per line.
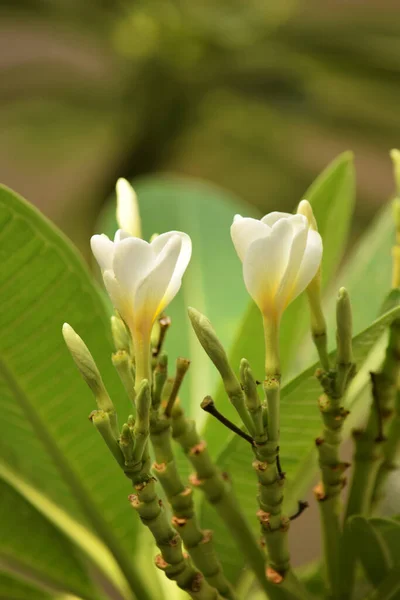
point(150, 294)
point(160, 241)
point(244, 231)
point(128, 216)
point(103, 250)
point(118, 299)
point(133, 260)
point(271, 218)
point(285, 292)
point(309, 265)
point(120, 235)
point(265, 264)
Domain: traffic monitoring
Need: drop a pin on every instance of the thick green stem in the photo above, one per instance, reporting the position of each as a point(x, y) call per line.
point(210, 480)
point(197, 542)
point(141, 342)
point(271, 336)
point(172, 561)
point(369, 453)
point(370, 442)
point(328, 491)
point(391, 451)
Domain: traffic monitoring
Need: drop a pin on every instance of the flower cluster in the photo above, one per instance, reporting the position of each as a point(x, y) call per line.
point(281, 254)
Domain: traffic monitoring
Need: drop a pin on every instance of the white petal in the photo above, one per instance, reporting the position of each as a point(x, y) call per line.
point(265, 264)
point(285, 292)
point(271, 218)
point(309, 264)
point(151, 292)
point(159, 243)
point(103, 250)
point(120, 235)
point(133, 260)
point(128, 216)
point(119, 300)
point(245, 231)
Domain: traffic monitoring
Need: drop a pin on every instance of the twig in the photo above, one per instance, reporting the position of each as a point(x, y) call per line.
point(208, 406)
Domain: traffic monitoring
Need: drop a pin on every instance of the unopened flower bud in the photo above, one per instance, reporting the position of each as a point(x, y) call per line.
point(128, 216)
point(344, 331)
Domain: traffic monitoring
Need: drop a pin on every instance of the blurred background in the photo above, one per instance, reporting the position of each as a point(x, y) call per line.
point(252, 95)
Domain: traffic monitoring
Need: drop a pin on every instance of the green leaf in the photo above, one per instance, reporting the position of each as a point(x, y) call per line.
point(31, 547)
point(77, 533)
point(332, 199)
point(44, 403)
point(14, 589)
point(300, 425)
point(389, 589)
point(367, 273)
point(365, 542)
point(206, 213)
point(389, 530)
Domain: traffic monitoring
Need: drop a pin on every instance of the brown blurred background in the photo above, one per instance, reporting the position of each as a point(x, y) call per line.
point(256, 96)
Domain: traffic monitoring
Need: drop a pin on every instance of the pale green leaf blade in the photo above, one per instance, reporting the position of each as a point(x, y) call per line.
point(44, 403)
point(332, 198)
point(30, 545)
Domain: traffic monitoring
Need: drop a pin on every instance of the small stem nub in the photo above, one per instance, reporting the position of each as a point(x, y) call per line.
point(182, 366)
point(208, 405)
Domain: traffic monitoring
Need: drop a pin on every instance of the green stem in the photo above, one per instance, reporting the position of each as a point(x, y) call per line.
point(271, 336)
point(391, 451)
point(123, 364)
point(172, 561)
point(370, 442)
point(328, 491)
point(141, 343)
point(197, 542)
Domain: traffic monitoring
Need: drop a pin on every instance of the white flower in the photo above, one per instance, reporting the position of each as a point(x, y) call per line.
point(142, 278)
point(128, 216)
point(280, 254)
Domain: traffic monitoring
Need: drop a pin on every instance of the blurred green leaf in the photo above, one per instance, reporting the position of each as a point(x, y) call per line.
point(367, 273)
point(14, 589)
point(36, 551)
point(389, 588)
point(44, 403)
point(300, 425)
point(364, 540)
point(212, 283)
point(332, 199)
point(389, 530)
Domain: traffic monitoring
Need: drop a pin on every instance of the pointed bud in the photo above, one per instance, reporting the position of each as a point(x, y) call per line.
point(252, 399)
point(313, 290)
point(213, 347)
point(126, 444)
point(128, 216)
point(395, 156)
point(101, 420)
point(182, 366)
point(305, 209)
point(120, 334)
point(344, 331)
point(123, 364)
point(210, 342)
point(87, 367)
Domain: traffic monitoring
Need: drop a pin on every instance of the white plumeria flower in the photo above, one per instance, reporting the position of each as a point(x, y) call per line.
point(280, 254)
point(128, 215)
point(141, 279)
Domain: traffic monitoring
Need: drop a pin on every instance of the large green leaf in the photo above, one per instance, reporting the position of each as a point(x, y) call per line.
point(300, 425)
point(80, 535)
point(44, 404)
point(15, 589)
point(332, 199)
point(213, 281)
point(32, 548)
